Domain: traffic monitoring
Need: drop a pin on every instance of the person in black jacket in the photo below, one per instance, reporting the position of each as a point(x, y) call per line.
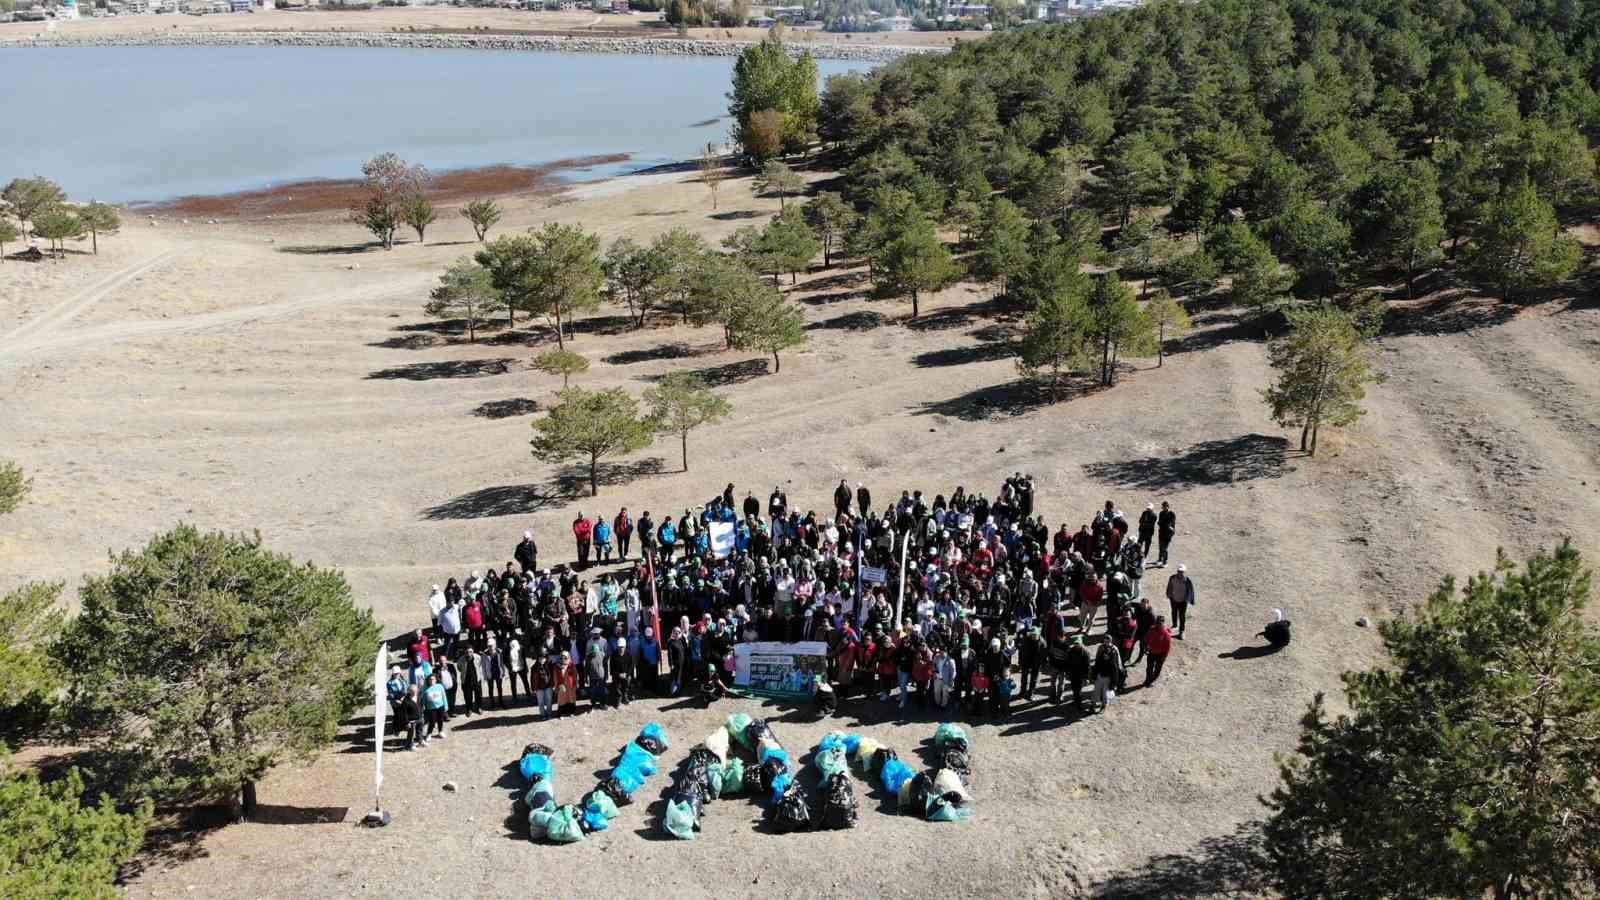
point(470, 674)
point(1147, 528)
point(841, 498)
point(1167, 526)
point(752, 506)
point(778, 504)
point(411, 711)
point(1078, 665)
point(1030, 654)
point(863, 499)
point(527, 553)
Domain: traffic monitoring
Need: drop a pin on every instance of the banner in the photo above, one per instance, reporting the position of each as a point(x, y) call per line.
point(874, 575)
point(777, 668)
point(380, 708)
point(721, 539)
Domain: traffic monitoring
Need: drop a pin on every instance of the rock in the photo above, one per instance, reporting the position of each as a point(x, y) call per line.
point(450, 787)
point(1363, 622)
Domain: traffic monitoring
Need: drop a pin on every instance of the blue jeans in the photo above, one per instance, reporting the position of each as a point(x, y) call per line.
point(905, 679)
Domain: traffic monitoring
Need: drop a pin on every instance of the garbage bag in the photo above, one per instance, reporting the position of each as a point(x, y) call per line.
point(535, 764)
point(781, 784)
point(653, 739)
point(769, 771)
point(958, 762)
point(756, 731)
point(949, 807)
point(539, 821)
point(753, 780)
point(1277, 633)
point(832, 762)
point(881, 756)
point(957, 744)
point(600, 803)
point(538, 748)
point(690, 795)
point(838, 808)
point(704, 757)
point(695, 772)
point(777, 753)
point(894, 774)
point(866, 748)
point(541, 796)
point(851, 742)
point(791, 813)
point(834, 741)
point(628, 778)
point(914, 792)
point(737, 722)
point(947, 732)
point(565, 825)
point(639, 758)
point(732, 778)
point(717, 742)
point(946, 781)
point(680, 821)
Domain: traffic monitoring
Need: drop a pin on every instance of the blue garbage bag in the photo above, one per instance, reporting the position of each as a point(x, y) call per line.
point(776, 753)
point(894, 774)
point(629, 777)
point(535, 764)
point(639, 758)
point(781, 784)
point(652, 733)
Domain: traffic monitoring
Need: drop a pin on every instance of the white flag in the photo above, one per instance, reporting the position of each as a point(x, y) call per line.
point(721, 539)
point(380, 707)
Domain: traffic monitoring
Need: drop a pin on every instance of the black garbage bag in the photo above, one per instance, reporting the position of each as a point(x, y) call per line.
point(689, 793)
point(753, 780)
point(651, 744)
point(921, 787)
point(959, 762)
point(881, 756)
point(956, 744)
point(838, 808)
point(769, 771)
point(697, 774)
point(1277, 633)
point(946, 807)
point(538, 748)
point(613, 789)
point(757, 731)
point(702, 755)
point(791, 813)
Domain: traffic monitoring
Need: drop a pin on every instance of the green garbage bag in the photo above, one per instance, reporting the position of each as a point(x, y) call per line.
point(602, 805)
point(732, 778)
point(947, 732)
point(539, 821)
point(679, 821)
point(566, 825)
point(714, 776)
point(832, 762)
point(737, 723)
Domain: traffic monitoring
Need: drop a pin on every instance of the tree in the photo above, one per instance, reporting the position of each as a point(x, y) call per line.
point(554, 272)
point(1146, 248)
point(1003, 243)
point(711, 172)
point(724, 290)
point(777, 178)
point(830, 219)
point(1398, 219)
point(1053, 338)
point(1520, 244)
point(634, 274)
point(1324, 367)
point(53, 845)
point(561, 362)
point(967, 215)
point(1316, 243)
point(389, 182)
point(466, 291)
point(682, 402)
point(57, 224)
point(592, 425)
point(788, 242)
point(767, 78)
point(9, 231)
point(763, 136)
point(916, 261)
point(679, 252)
point(770, 324)
point(1258, 278)
point(1117, 324)
point(202, 661)
point(1136, 174)
point(14, 486)
point(98, 219)
point(380, 218)
point(1200, 205)
point(1472, 748)
point(418, 212)
point(29, 197)
point(483, 214)
point(30, 679)
point(1169, 317)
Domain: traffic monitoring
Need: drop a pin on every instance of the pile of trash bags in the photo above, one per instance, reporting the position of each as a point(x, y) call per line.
point(939, 793)
point(560, 824)
point(875, 758)
point(771, 773)
point(569, 823)
point(836, 805)
point(710, 772)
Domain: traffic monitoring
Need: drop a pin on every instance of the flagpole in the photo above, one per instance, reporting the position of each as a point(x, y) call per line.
point(380, 687)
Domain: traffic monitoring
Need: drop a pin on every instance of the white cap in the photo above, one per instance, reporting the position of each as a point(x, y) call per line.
point(436, 587)
point(528, 535)
point(1182, 567)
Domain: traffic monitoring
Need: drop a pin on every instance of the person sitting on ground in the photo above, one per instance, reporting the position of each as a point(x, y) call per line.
point(1277, 631)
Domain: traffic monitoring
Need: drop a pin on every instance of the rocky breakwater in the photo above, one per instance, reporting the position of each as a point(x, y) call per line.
point(443, 41)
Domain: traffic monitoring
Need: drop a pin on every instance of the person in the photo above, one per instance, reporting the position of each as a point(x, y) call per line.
point(582, 533)
point(1157, 644)
point(527, 553)
point(411, 714)
point(1166, 526)
point(450, 625)
point(622, 529)
point(517, 670)
point(1180, 594)
point(649, 660)
point(944, 681)
point(1147, 528)
point(621, 664)
point(542, 670)
point(1078, 667)
point(396, 690)
point(647, 535)
point(841, 498)
point(472, 620)
point(596, 669)
point(863, 499)
point(448, 678)
point(435, 700)
point(419, 650)
point(566, 689)
point(494, 673)
point(1105, 675)
point(436, 603)
point(1030, 655)
point(601, 530)
point(905, 661)
point(471, 671)
point(1089, 597)
point(1277, 631)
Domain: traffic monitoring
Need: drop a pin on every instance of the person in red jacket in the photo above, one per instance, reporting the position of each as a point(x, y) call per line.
point(1089, 598)
point(472, 619)
point(1157, 644)
point(582, 531)
point(622, 530)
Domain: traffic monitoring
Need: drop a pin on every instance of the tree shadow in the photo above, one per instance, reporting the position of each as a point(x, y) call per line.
point(575, 482)
point(957, 316)
point(1013, 398)
point(175, 840)
point(606, 325)
point(441, 326)
point(329, 249)
point(1230, 864)
point(724, 375)
point(505, 409)
point(1447, 312)
point(299, 815)
point(851, 279)
point(1228, 461)
point(734, 215)
point(415, 341)
point(1209, 338)
point(673, 350)
point(1250, 651)
point(865, 320)
point(493, 502)
point(457, 368)
point(960, 356)
point(660, 212)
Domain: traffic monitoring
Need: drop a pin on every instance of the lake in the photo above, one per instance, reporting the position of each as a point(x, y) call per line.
point(135, 124)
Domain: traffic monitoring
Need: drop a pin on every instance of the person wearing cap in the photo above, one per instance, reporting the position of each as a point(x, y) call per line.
point(436, 604)
point(527, 553)
point(620, 663)
point(1166, 527)
point(396, 688)
point(1180, 595)
point(1157, 644)
point(596, 664)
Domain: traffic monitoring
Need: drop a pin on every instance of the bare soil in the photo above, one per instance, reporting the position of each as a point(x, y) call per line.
point(279, 375)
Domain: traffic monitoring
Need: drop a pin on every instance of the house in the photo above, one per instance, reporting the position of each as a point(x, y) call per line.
point(239, 6)
point(895, 23)
point(762, 21)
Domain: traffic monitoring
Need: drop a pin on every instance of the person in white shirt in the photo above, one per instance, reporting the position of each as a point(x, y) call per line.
point(450, 626)
point(436, 605)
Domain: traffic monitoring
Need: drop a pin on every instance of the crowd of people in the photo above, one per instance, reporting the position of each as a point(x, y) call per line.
point(992, 600)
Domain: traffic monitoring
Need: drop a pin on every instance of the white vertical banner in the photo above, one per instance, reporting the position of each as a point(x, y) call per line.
point(900, 599)
point(380, 708)
point(721, 539)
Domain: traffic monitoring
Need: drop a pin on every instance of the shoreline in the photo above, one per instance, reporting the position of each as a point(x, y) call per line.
point(649, 46)
point(321, 195)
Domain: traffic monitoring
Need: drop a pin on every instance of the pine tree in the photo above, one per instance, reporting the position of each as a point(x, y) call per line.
point(1323, 367)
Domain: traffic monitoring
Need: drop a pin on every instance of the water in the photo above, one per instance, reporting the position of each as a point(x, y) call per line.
point(134, 124)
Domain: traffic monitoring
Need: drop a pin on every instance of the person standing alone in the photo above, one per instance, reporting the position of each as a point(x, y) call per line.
point(1180, 593)
point(1166, 527)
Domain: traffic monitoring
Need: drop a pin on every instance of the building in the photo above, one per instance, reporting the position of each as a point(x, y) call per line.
point(895, 23)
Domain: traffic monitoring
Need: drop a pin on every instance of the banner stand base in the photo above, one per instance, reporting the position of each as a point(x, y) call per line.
point(378, 818)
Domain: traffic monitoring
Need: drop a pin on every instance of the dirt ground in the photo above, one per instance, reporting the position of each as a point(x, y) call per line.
point(277, 375)
point(446, 18)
